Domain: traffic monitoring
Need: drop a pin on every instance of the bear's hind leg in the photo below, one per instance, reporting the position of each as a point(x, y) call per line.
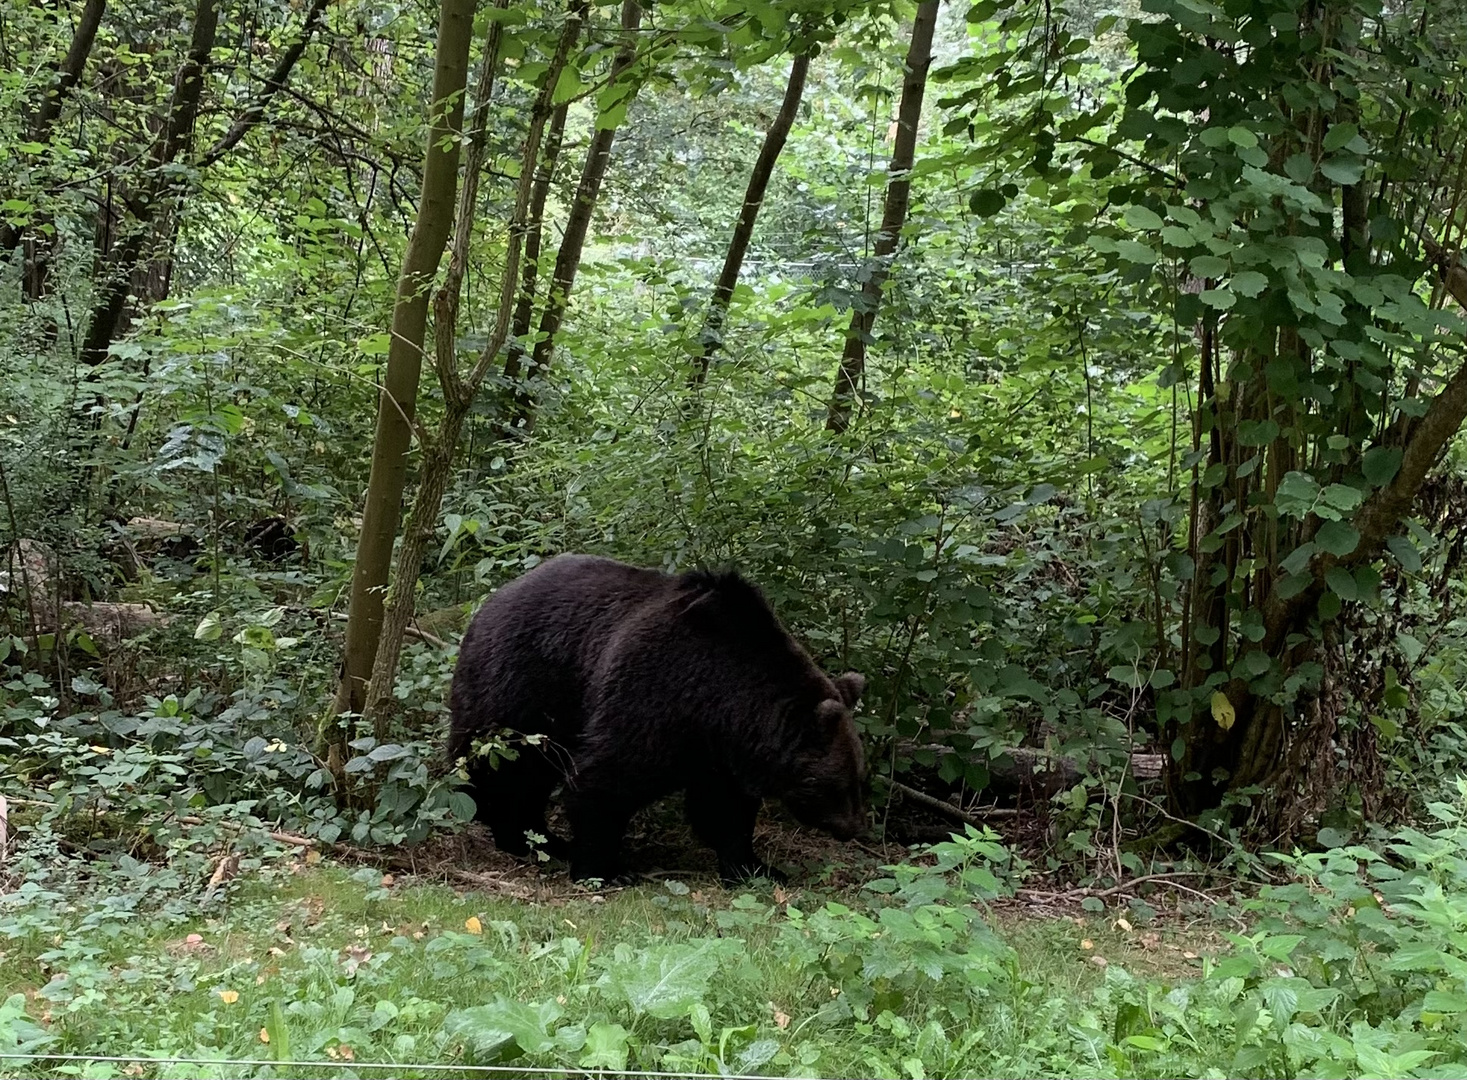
point(723, 818)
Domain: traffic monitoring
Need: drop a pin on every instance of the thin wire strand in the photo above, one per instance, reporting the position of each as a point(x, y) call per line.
point(489, 1070)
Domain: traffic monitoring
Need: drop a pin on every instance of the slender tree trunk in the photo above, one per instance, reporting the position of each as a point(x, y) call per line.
point(711, 338)
point(151, 201)
point(49, 111)
point(458, 392)
point(573, 242)
point(277, 81)
point(524, 308)
point(893, 216)
point(397, 404)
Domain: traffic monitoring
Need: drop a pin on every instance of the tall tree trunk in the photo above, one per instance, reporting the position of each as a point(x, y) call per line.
point(524, 308)
point(573, 242)
point(150, 202)
point(711, 339)
point(893, 216)
point(459, 392)
point(397, 404)
point(49, 110)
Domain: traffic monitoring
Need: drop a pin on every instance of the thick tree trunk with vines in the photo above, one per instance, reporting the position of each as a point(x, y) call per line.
point(397, 405)
point(893, 216)
point(711, 338)
point(1252, 751)
point(573, 241)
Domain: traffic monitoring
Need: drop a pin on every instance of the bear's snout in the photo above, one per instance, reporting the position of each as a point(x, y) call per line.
point(847, 828)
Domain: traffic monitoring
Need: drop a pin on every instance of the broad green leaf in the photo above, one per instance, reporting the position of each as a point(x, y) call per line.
point(1405, 553)
point(1329, 606)
point(489, 1028)
point(1298, 559)
point(986, 202)
point(1241, 136)
point(1208, 266)
point(1341, 582)
point(1338, 538)
point(1342, 497)
point(606, 1048)
point(1343, 169)
point(374, 344)
point(1141, 217)
point(1380, 464)
point(1136, 252)
point(1248, 283)
point(1339, 136)
point(664, 981)
point(1221, 299)
point(1299, 167)
point(568, 86)
point(210, 628)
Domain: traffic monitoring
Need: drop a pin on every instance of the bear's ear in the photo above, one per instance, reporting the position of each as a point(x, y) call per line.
point(850, 686)
point(830, 712)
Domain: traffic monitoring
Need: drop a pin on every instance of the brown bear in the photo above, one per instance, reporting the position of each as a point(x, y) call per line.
point(643, 684)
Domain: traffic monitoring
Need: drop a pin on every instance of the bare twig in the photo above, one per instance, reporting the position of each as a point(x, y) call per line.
point(948, 809)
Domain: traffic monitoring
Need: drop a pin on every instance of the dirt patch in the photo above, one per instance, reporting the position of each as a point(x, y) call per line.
point(658, 845)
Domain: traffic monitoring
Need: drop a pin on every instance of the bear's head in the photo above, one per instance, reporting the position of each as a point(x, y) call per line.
point(828, 789)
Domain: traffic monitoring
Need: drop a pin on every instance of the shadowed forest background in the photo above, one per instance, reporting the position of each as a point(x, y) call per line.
point(1088, 376)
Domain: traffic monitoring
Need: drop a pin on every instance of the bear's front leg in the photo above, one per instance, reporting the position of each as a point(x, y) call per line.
point(723, 818)
point(598, 823)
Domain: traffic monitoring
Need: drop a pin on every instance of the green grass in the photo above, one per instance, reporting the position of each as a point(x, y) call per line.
point(1354, 967)
point(328, 965)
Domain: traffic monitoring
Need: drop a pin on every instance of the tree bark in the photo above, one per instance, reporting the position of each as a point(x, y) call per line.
point(524, 309)
point(150, 201)
point(397, 404)
point(49, 109)
point(893, 216)
point(711, 339)
point(459, 392)
point(573, 242)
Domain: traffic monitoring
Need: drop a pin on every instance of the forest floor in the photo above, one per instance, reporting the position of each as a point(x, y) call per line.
point(463, 958)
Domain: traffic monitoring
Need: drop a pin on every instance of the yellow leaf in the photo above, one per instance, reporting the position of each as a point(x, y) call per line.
point(264, 1036)
point(473, 925)
point(229, 997)
point(1123, 924)
point(1087, 944)
point(1222, 710)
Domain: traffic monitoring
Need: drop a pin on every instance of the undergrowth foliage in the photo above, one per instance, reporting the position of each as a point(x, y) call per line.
point(1354, 968)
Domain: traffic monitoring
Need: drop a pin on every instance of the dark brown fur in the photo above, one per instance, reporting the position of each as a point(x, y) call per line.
point(645, 684)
